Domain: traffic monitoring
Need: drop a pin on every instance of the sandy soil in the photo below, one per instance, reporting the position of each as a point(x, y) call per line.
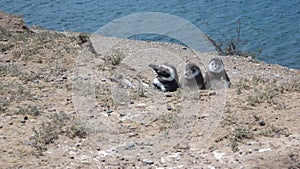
point(71, 100)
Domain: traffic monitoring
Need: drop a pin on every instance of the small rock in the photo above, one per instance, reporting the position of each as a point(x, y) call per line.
point(32, 143)
point(10, 123)
point(23, 121)
point(141, 105)
point(129, 146)
point(64, 77)
point(36, 81)
point(168, 94)
point(109, 111)
point(169, 108)
point(262, 123)
point(149, 162)
point(34, 97)
point(133, 134)
point(122, 114)
point(25, 118)
point(145, 84)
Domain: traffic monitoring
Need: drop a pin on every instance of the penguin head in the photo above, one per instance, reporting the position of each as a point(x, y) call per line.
point(191, 71)
point(216, 65)
point(166, 71)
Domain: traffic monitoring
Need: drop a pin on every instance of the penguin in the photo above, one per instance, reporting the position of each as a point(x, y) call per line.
point(167, 77)
point(192, 77)
point(216, 76)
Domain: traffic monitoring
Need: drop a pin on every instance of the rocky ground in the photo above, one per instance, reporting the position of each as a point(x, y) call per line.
point(71, 100)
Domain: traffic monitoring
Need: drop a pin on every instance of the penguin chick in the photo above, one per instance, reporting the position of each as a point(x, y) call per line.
point(216, 76)
point(192, 77)
point(166, 79)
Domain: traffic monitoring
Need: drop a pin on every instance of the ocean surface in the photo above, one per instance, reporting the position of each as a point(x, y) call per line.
point(272, 26)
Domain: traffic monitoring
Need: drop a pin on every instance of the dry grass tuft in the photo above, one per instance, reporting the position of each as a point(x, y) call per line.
point(59, 124)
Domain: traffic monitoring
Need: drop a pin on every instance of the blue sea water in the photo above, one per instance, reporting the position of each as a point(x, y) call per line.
point(270, 25)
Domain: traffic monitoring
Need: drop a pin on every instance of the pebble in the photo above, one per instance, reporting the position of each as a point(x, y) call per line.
point(168, 95)
point(34, 97)
point(262, 123)
point(51, 110)
point(64, 77)
point(129, 146)
point(31, 143)
point(141, 105)
point(169, 108)
point(149, 162)
point(122, 114)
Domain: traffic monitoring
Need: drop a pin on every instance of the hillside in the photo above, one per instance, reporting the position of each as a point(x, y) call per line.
point(72, 100)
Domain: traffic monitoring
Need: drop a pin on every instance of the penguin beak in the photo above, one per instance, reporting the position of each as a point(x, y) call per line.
point(155, 67)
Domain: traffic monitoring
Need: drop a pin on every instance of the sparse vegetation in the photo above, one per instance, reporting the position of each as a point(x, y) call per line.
point(104, 95)
point(168, 120)
point(138, 92)
point(58, 124)
point(271, 131)
point(239, 134)
point(260, 90)
point(3, 105)
point(8, 70)
point(4, 34)
point(114, 59)
point(230, 45)
point(11, 92)
point(29, 110)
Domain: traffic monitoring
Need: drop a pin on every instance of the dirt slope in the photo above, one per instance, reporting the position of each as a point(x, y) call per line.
point(69, 100)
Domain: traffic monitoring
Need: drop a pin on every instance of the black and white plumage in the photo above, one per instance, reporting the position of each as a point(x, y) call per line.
point(167, 77)
point(216, 76)
point(192, 77)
